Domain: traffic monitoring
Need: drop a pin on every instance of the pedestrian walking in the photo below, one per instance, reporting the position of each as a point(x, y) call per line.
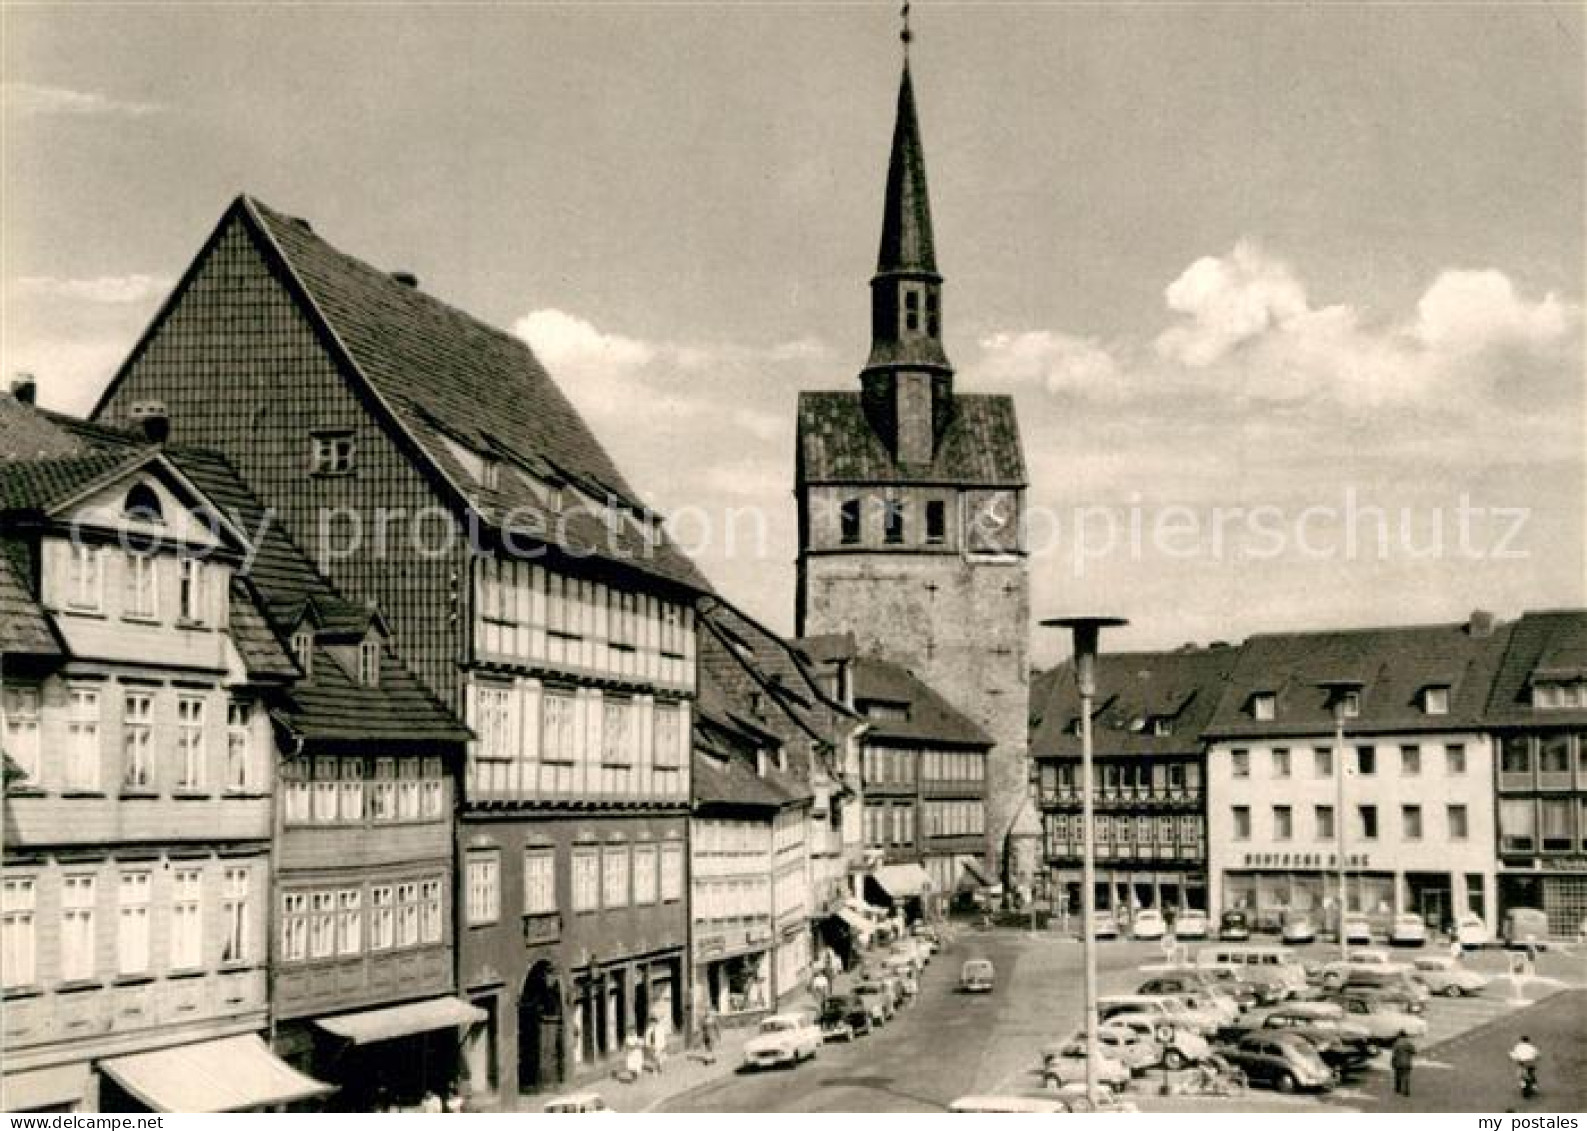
point(819, 987)
point(1402, 1057)
point(709, 1035)
point(656, 1046)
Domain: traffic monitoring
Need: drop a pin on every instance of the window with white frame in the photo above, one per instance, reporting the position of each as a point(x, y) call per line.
point(137, 740)
point(433, 801)
point(408, 914)
point(132, 923)
point(618, 732)
point(190, 742)
point(671, 872)
point(239, 745)
point(669, 736)
point(614, 885)
point(85, 579)
point(483, 897)
point(383, 791)
point(382, 917)
point(672, 631)
point(350, 791)
point(303, 649)
point(586, 879)
point(539, 881)
point(369, 662)
point(322, 924)
point(408, 790)
point(18, 899)
point(234, 916)
point(187, 919)
point(190, 590)
point(141, 594)
point(559, 738)
point(327, 786)
point(645, 874)
point(297, 807)
point(78, 896)
point(622, 612)
point(332, 453)
point(1435, 700)
point(294, 926)
point(349, 921)
point(22, 729)
point(430, 924)
point(563, 607)
point(1455, 759)
point(1264, 706)
point(496, 730)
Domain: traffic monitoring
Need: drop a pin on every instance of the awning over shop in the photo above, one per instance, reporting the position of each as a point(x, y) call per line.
point(902, 881)
point(374, 1025)
point(44, 1087)
point(856, 922)
point(973, 870)
point(229, 1074)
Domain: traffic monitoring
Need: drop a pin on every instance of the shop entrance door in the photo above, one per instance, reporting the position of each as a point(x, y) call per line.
point(540, 1030)
point(1432, 898)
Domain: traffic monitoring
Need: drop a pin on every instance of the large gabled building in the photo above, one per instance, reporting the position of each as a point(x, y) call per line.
point(427, 461)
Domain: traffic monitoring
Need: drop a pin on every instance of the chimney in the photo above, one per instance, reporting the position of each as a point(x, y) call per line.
point(25, 389)
point(1480, 624)
point(153, 420)
point(406, 278)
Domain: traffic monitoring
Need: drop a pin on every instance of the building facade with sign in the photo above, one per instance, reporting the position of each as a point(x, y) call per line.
point(1417, 806)
point(429, 463)
point(910, 497)
point(1538, 717)
point(1149, 777)
point(139, 758)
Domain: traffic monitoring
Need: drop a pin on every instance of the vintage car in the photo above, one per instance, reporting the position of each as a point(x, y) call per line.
point(1344, 1047)
point(1524, 927)
point(1103, 1101)
point(1191, 925)
point(1194, 982)
point(843, 1018)
point(1149, 925)
point(1136, 1050)
point(903, 969)
point(1169, 1006)
point(928, 936)
point(1234, 926)
point(1299, 930)
point(574, 1102)
point(1104, 925)
point(1177, 1045)
point(782, 1039)
point(877, 1000)
point(1065, 1062)
point(1389, 981)
point(1358, 930)
point(977, 976)
point(1383, 1020)
point(1337, 972)
point(1471, 932)
point(1446, 976)
point(1408, 930)
point(1279, 1060)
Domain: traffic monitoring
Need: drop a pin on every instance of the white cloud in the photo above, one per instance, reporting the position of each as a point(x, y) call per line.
point(562, 339)
point(30, 99)
point(1468, 311)
point(1059, 362)
point(1227, 302)
point(109, 289)
point(71, 373)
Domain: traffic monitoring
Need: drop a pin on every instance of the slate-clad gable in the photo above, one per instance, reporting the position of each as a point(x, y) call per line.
point(1541, 645)
point(980, 446)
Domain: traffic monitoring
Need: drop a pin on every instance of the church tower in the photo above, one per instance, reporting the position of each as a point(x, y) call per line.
point(909, 499)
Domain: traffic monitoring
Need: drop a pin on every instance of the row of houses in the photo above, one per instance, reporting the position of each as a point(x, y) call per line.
point(366, 735)
point(1464, 763)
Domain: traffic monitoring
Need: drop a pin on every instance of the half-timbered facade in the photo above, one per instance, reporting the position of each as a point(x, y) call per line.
point(426, 461)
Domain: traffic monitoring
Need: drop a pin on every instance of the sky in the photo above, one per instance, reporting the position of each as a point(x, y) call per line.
point(1289, 297)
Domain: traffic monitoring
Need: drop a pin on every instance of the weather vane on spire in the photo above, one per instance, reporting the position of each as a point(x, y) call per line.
point(904, 34)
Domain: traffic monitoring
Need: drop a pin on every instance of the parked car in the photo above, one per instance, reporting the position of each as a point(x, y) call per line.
point(1227, 979)
point(1065, 1062)
point(1104, 925)
point(1103, 1101)
point(1408, 930)
point(1335, 973)
point(1137, 1051)
point(1358, 930)
point(1177, 1045)
point(1298, 929)
point(575, 1102)
point(1191, 925)
point(1149, 925)
point(1278, 1060)
point(1470, 931)
point(877, 1000)
point(977, 976)
point(1169, 1009)
point(1187, 985)
point(1525, 926)
point(928, 935)
point(902, 969)
point(1234, 926)
point(1444, 975)
point(1342, 1046)
point(783, 1039)
point(1383, 1020)
point(844, 1017)
point(1392, 982)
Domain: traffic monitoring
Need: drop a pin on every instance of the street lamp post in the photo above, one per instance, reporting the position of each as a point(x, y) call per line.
point(1340, 692)
point(1085, 631)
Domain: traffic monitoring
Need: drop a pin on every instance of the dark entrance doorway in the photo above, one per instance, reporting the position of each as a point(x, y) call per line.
point(540, 1030)
point(1431, 898)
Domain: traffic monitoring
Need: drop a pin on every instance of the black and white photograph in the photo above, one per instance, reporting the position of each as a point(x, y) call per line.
point(793, 556)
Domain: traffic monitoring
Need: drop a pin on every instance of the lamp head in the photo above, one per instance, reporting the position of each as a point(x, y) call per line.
point(1085, 631)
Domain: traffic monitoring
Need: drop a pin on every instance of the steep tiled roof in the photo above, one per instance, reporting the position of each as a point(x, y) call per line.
point(25, 628)
point(29, 433)
point(931, 719)
point(1184, 687)
point(1544, 645)
point(451, 379)
point(980, 446)
point(38, 485)
point(725, 746)
point(1395, 664)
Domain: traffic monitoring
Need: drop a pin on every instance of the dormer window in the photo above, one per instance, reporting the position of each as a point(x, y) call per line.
point(369, 662)
point(1435, 701)
point(143, 504)
point(1264, 706)
point(303, 649)
point(490, 474)
point(1350, 704)
point(1162, 727)
point(332, 453)
point(191, 590)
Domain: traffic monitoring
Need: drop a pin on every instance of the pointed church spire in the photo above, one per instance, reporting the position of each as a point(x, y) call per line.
point(906, 210)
